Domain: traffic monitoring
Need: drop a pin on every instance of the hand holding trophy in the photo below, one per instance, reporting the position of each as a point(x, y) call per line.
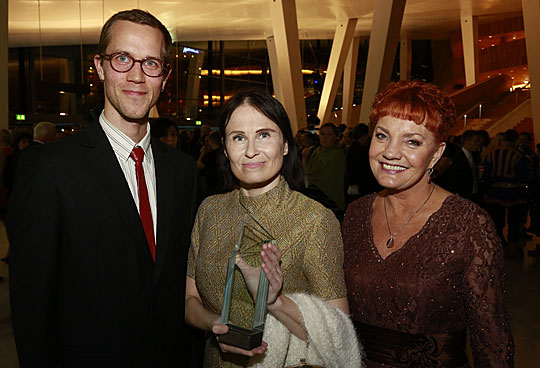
point(254, 266)
point(271, 265)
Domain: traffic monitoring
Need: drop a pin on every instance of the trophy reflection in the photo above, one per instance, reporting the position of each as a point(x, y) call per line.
point(244, 315)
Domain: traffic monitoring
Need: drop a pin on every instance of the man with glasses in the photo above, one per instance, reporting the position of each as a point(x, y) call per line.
point(100, 224)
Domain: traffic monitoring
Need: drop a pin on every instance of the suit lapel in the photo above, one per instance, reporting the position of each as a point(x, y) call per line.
point(105, 164)
point(165, 203)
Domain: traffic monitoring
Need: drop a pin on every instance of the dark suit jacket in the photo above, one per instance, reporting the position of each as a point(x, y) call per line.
point(459, 176)
point(84, 289)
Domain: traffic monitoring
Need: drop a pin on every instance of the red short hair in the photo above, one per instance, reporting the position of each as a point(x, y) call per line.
point(416, 101)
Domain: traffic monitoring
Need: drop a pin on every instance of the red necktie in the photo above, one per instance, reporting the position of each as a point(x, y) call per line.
point(144, 204)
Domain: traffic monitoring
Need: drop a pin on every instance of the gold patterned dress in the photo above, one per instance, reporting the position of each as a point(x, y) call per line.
point(307, 233)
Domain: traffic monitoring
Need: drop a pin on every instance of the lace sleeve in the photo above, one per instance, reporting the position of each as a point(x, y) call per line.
point(487, 318)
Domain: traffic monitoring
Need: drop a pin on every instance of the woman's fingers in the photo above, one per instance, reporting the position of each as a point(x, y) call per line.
point(241, 263)
point(220, 329)
point(233, 349)
point(250, 274)
point(271, 256)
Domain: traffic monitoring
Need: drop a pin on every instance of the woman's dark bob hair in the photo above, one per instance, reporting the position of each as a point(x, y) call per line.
point(273, 110)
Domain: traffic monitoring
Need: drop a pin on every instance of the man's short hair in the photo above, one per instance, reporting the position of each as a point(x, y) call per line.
point(45, 131)
point(526, 135)
point(510, 136)
point(140, 17)
point(214, 137)
point(359, 131)
point(468, 135)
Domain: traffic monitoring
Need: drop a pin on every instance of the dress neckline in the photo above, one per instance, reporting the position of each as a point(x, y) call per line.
point(260, 201)
point(417, 234)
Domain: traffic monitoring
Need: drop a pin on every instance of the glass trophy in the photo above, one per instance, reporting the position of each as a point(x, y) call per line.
point(244, 314)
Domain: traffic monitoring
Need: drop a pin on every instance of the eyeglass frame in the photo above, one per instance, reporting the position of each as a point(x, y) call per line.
point(109, 58)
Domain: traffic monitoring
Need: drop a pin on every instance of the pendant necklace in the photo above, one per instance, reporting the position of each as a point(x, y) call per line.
point(390, 241)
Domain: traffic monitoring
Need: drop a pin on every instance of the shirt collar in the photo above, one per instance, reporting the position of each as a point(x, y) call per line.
point(466, 152)
point(123, 145)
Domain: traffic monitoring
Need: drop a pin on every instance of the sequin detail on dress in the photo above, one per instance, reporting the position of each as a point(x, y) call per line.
point(448, 277)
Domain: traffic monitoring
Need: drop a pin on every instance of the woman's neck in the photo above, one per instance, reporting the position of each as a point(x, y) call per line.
point(403, 201)
point(252, 190)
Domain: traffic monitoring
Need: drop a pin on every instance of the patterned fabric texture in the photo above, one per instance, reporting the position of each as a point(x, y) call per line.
point(447, 277)
point(307, 233)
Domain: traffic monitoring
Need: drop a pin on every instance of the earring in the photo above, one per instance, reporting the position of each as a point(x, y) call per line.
point(162, 90)
point(430, 170)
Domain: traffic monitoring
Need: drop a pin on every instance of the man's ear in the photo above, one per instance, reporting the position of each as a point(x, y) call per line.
point(98, 63)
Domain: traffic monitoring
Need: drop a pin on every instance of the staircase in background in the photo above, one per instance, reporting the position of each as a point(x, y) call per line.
point(490, 105)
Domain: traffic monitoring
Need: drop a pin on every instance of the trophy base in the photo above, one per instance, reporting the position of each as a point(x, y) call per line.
point(242, 337)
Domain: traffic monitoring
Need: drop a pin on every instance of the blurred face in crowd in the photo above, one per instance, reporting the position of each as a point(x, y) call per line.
point(473, 144)
point(328, 138)
point(401, 153)
point(255, 148)
point(170, 137)
point(523, 142)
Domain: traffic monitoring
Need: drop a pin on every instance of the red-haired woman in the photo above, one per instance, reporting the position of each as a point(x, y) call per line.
point(422, 265)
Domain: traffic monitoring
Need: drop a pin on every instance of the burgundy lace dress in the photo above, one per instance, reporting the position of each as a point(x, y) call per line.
point(447, 277)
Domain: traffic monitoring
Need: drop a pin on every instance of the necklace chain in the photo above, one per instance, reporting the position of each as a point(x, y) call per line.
point(390, 241)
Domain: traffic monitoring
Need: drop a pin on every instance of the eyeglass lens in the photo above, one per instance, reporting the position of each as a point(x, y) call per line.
point(123, 62)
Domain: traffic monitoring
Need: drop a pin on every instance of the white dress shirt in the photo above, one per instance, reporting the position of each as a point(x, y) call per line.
point(122, 146)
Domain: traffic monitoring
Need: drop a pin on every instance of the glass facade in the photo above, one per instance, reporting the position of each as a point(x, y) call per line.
point(60, 84)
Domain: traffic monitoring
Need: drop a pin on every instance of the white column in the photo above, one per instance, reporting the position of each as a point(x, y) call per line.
point(349, 78)
point(274, 67)
point(531, 18)
point(195, 64)
point(4, 105)
point(340, 48)
point(405, 56)
point(469, 36)
point(287, 43)
point(387, 17)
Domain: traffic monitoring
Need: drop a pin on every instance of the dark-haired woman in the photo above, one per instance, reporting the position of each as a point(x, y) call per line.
point(423, 266)
point(263, 173)
point(166, 131)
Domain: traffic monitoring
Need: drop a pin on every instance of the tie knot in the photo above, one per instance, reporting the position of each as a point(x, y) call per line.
point(137, 154)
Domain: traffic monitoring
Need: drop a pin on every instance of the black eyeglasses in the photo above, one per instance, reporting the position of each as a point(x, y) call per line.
point(122, 62)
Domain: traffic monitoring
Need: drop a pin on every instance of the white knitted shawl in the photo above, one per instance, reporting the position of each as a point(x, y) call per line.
point(331, 342)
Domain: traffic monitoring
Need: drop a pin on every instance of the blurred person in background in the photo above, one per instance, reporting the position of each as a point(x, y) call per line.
point(462, 177)
point(166, 131)
point(325, 169)
point(507, 172)
point(207, 163)
point(44, 132)
point(359, 179)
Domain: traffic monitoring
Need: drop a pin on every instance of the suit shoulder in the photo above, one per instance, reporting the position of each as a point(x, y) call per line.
point(173, 153)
